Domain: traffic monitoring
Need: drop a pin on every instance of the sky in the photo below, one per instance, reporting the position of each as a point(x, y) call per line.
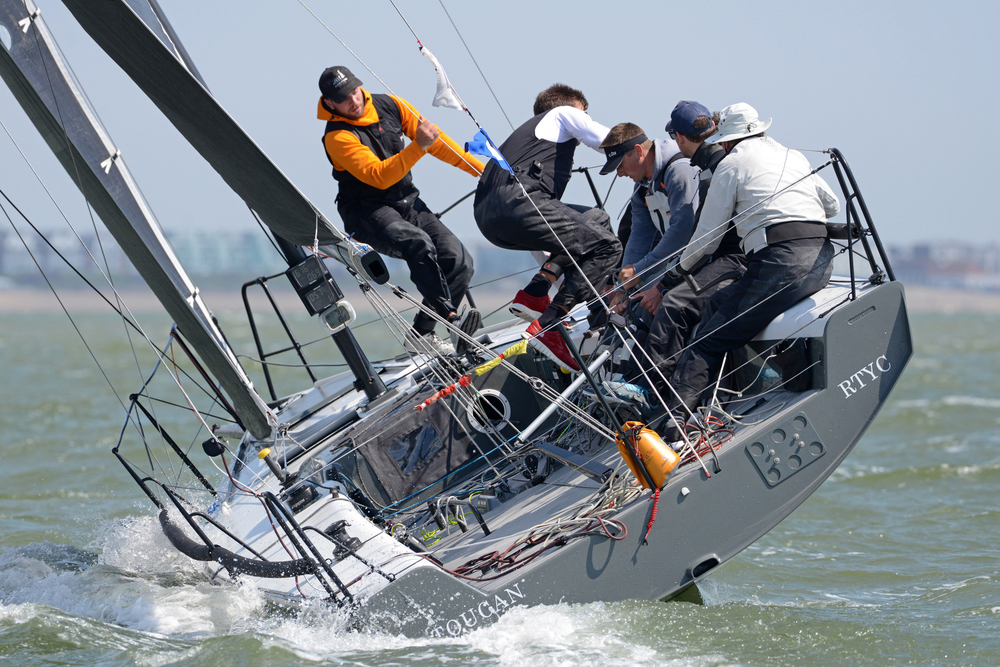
point(893, 85)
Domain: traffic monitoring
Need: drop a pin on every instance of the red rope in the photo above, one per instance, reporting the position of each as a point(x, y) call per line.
point(652, 517)
point(464, 381)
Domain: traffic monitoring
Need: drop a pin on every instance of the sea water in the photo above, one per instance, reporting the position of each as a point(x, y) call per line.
point(894, 560)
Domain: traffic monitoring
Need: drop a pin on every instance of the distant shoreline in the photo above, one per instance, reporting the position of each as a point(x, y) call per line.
point(140, 300)
point(919, 299)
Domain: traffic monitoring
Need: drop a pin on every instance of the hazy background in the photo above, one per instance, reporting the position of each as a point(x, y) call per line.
point(895, 86)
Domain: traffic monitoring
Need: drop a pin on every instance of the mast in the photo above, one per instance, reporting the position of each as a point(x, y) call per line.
point(368, 380)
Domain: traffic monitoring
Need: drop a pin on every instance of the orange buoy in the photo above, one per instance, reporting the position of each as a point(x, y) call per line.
point(657, 457)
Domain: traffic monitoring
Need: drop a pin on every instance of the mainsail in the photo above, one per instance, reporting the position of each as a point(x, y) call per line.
point(42, 84)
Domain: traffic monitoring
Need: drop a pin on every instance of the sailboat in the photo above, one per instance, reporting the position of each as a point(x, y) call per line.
point(429, 495)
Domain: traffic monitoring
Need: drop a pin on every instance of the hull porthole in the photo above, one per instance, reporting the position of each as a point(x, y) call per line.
point(490, 411)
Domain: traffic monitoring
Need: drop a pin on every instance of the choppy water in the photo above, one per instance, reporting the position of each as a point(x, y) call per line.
point(893, 561)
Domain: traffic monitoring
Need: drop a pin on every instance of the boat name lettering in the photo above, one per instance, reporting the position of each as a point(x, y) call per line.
point(882, 364)
point(470, 617)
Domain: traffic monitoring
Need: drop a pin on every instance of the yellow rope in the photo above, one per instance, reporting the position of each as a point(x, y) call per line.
point(517, 348)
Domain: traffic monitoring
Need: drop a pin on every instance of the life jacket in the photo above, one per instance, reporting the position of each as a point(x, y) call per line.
point(384, 138)
point(657, 201)
point(548, 165)
point(707, 158)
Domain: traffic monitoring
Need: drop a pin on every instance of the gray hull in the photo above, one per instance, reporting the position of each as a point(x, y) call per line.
point(702, 521)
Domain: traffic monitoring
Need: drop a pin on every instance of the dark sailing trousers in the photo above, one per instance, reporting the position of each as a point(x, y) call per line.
point(777, 277)
point(679, 313)
point(440, 266)
point(509, 220)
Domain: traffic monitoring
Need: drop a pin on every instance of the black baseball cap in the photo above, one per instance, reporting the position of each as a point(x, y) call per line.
point(617, 153)
point(336, 83)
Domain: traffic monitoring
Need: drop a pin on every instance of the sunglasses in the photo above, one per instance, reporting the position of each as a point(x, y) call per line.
point(672, 134)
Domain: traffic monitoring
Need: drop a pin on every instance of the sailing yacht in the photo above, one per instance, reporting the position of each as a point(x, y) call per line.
point(427, 494)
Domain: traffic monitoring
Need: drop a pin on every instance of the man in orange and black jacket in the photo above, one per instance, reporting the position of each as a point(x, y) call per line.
point(380, 205)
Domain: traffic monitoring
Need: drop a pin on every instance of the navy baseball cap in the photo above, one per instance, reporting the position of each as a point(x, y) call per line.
point(684, 115)
point(337, 83)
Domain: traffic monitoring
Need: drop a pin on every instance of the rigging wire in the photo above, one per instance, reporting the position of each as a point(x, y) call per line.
point(79, 180)
point(460, 397)
point(543, 389)
point(105, 272)
point(524, 192)
point(485, 80)
point(62, 305)
point(125, 315)
point(608, 195)
point(125, 318)
point(61, 256)
point(402, 103)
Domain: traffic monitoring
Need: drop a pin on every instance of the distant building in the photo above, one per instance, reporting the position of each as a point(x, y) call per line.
point(248, 255)
point(949, 264)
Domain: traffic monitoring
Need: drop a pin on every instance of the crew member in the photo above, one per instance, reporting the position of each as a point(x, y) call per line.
point(780, 209)
point(677, 309)
point(663, 202)
point(581, 246)
point(380, 205)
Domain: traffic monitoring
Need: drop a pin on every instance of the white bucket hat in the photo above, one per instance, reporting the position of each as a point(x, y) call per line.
point(737, 121)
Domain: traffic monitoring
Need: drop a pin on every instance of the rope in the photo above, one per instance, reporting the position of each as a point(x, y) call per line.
point(652, 515)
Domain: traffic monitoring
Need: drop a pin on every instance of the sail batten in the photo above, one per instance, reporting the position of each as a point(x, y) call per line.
point(42, 84)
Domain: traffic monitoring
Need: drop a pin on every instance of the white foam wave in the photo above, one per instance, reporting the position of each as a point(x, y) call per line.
point(139, 545)
point(575, 634)
point(318, 632)
point(137, 582)
point(972, 402)
point(956, 585)
point(17, 613)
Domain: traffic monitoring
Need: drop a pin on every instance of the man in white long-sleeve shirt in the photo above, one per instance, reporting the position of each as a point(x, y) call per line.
point(780, 209)
point(579, 239)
